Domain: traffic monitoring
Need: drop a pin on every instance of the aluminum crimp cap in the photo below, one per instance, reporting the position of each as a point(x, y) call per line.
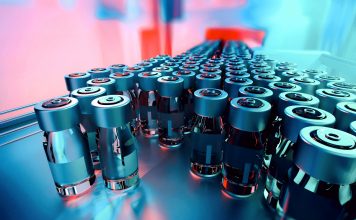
point(249, 114)
point(111, 111)
point(210, 102)
point(330, 97)
point(313, 72)
point(240, 73)
point(148, 80)
point(211, 71)
point(57, 114)
point(123, 81)
point(117, 68)
point(188, 77)
point(147, 66)
point(257, 92)
point(261, 71)
point(231, 68)
point(207, 80)
point(297, 117)
point(307, 84)
point(352, 128)
point(327, 154)
point(345, 113)
point(107, 83)
point(99, 73)
point(324, 79)
point(233, 84)
point(348, 87)
point(264, 79)
point(76, 80)
point(286, 63)
point(86, 95)
point(285, 76)
point(170, 86)
point(164, 70)
point(286, 99)
point(281, 69)
point(279, 87)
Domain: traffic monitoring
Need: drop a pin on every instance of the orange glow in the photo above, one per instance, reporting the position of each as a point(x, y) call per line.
point(251, 36)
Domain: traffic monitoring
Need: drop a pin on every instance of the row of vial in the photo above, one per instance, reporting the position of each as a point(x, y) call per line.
point(235, 135)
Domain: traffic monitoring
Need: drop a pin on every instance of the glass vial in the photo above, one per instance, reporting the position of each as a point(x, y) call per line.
point(244, 145)
point(125, 85)
point(188, 97)
point(116, 144)
point(295, 118)
point(323, 176)
point(148, 99)
point(85, 96)
point(208, 131)
point(170, 111)
point(66, 148)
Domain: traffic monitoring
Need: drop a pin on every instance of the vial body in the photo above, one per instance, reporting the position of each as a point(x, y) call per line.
point(134, 104)
point(118, 154)
point(148, 113)
point(243, 154)
point(69, 160)
point(188, 105)
point(208, 137)
point(170, 121)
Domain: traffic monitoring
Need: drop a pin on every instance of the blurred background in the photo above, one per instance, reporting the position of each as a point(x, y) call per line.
point(42, 40)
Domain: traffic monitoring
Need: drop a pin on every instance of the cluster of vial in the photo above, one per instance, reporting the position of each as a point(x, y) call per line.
point(250, 119)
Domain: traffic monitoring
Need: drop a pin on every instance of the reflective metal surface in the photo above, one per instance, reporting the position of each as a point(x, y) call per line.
point(167, 189)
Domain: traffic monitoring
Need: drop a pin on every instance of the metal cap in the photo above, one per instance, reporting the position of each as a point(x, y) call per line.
point(287, 63)
point(285, 76)
point(188, 77)
point(327, 154)
point(124, 81)
point(295, 98)
point(263, 65)
point(76, 80)
point(99, 73)
point(352, 128)
point(170, 86)
point(279, 87)
point(261, 71)
point(146, 66)
point(297, 117)
point(249, 114)
point(135, 70)
point(172, 65)
point(164, 70)
point(232, 68)
point(241, 73)
point(107, 83)
point(85, 96)
point(148, 80)
point(57, 114)
point(281, 69)
point(313, 72)
point(345, 113)
point(233, 84)
point(117, 68)
point(330, 97)
point(207, 80)
point(210, 102)
point(324, 79)
point(210, 71)
point(265, 79)
point(348, 87)
point(111, 111)
point(307, 84)
point(257, 92)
